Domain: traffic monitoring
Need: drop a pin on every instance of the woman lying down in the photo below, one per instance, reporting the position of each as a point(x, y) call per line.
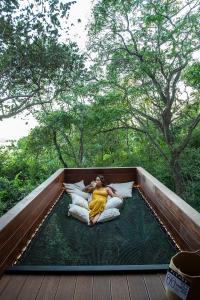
point(100, 193)
point(103, 203)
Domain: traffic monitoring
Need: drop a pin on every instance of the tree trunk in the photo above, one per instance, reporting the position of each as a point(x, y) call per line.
point(81, 149)
point(176, 175)
point(58, 150)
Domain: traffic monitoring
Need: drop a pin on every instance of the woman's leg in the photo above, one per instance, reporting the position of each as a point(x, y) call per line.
point(94, 208)
point(95, 219)
point(91, 219)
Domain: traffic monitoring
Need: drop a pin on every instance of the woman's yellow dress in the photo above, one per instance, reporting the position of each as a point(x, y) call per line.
point(98, 202)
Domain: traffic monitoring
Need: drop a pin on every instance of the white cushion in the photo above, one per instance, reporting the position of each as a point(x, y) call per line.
point(79, 213)
point(123, 189)
point(108, 215)
point(114, 202)
point(78, 200)
point(79, 192)
point(78, 185)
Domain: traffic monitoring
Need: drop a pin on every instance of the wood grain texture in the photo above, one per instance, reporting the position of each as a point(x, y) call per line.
point(119, 288)
point(110, 174)
point(102, 287)
point(31, 287)
point(79, 287)
point(48, 288)
point(137, 287)
point(162, 278)
point(154, 287)
point(3, 282)
point(13, 287)
point(84, 287)
point(66, 287)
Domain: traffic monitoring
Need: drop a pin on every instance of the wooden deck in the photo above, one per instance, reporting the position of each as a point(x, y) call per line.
point(86, 287)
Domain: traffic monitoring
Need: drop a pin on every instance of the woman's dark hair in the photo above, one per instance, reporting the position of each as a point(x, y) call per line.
point(101, 177)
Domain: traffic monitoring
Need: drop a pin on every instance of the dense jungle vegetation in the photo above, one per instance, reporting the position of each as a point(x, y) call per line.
point(131, 99)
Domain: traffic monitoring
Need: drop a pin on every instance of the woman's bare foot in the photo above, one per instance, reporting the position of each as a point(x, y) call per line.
point(90, 221)
point(95, 219)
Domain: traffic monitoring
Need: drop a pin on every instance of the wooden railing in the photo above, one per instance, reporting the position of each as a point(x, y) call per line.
point(110, 174)
point(19, 223)
point(182, 221)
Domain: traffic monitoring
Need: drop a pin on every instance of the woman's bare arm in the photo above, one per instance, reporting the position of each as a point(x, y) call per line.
point(89, 188)
point(111, 193)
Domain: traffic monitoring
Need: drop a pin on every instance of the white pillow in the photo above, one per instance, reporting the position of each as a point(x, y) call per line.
point(79, 192)
point(123, 189)
point(109, 214)
point(78, 200)
point(114, 202)
point(79, 185)
point(79, 213)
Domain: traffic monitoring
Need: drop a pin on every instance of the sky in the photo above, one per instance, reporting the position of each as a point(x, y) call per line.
point(15, 128)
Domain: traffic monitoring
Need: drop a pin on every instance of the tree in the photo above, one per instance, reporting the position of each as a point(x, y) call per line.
point(65, 132)
point(30, 55)
point(142, 49)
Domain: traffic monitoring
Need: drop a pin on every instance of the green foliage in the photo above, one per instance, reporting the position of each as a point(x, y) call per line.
point(192, 75)
point(34, 158)
point(31, 57)
point(131, 108)
point(21, 171)
point(11, 191)
point(142, 50)
point(190, 162)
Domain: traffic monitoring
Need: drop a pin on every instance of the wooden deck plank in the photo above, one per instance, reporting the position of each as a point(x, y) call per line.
point(66, 287)
point(12, 289)
point(97, 287)
point(3, 282)
point(119, 288)
point(154, 286)
point(84, 287)
point(137, 287)
point(48, 287)
point(31, 287)
point(101, 287)
point(162, 278)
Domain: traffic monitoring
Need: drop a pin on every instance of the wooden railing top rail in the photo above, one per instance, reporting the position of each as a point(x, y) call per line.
point(101, 168)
